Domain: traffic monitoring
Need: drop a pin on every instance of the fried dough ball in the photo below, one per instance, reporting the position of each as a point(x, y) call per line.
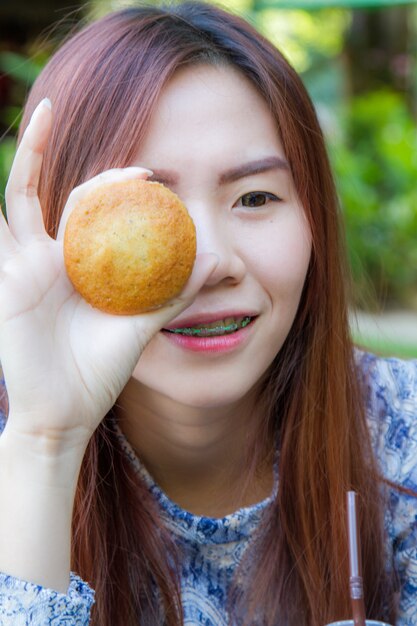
point(129, 246)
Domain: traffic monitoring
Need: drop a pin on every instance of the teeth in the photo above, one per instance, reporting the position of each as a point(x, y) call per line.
point(219, 327)
point(228, 321)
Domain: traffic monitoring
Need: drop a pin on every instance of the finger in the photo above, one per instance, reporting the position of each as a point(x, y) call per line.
point(23, 208)
point(204, 266)
point(109, 176)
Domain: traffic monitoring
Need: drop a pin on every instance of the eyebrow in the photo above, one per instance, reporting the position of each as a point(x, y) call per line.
point(169, 178)
point(252, 168)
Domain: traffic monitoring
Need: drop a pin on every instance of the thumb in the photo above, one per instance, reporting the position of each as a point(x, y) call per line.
point(204, 266)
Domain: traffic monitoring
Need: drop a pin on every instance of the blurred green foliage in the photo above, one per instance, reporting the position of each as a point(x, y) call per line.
point(22, 71)
point(301, 37)
point(7, 149)
point(375, 162)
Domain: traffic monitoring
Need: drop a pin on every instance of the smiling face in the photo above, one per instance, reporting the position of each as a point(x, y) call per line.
point(213, 141)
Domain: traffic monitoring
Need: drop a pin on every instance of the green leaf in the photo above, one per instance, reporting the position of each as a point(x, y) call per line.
point(19, 67)
point(7, 151)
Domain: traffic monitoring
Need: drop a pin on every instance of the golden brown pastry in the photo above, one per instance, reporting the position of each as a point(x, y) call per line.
point(129, 246)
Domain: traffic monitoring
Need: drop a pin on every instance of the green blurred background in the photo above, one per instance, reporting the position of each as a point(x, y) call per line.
point(358, 59)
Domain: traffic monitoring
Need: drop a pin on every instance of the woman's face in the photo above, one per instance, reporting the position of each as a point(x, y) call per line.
point(213, 141)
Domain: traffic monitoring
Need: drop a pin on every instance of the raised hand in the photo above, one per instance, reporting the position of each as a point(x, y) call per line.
point(64, 362)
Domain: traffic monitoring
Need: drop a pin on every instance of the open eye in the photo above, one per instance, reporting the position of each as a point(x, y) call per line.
point(256, 199)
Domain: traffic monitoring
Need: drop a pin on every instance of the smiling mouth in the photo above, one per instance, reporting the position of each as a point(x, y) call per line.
point(215, 329)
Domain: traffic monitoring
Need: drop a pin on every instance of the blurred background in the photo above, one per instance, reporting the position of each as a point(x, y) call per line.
point(358, 59)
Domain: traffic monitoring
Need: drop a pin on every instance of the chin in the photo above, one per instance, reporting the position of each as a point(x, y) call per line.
point(209, 398)
point(201, 393)
point(206, 400)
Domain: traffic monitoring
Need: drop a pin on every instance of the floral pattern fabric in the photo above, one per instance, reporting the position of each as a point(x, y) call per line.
point(213, 548)
point(24, 604)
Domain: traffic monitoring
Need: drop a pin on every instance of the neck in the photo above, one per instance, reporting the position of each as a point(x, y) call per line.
point(197, 456)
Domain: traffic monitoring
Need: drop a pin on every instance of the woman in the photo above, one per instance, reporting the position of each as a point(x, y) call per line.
point(193, 479)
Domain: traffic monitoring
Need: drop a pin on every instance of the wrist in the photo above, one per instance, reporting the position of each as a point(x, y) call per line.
point(44, 459)
point(27, 433)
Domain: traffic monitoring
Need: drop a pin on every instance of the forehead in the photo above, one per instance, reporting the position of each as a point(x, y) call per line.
point(205, 109)
point(217, 85)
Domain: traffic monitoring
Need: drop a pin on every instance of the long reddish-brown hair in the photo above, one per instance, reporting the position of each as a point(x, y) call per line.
point(104, 84)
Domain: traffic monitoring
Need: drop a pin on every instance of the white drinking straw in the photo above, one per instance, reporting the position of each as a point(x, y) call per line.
point(355, 566)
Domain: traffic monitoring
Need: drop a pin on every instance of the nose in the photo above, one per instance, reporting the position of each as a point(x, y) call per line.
point(215, 234)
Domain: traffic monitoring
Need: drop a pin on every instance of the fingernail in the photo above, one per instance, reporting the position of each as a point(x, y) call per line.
point(140, 170)
point(46, 102)
point(148, 172)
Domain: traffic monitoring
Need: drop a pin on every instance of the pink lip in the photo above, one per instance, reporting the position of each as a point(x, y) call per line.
point(215, 344)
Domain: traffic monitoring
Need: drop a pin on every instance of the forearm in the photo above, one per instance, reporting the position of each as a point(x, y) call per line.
point(37, 488)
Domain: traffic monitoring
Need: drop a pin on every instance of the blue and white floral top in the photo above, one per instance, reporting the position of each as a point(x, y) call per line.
point(214, 547)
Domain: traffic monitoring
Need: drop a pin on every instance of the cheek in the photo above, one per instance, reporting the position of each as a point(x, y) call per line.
point(280, 255)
